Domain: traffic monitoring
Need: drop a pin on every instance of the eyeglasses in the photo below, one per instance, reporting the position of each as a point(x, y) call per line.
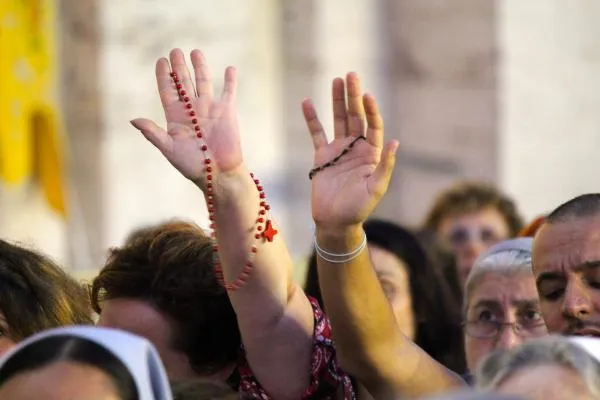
point(460, 235)
point(492, 329)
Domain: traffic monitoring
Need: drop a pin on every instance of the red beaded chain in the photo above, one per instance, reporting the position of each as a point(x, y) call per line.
point(264, 228)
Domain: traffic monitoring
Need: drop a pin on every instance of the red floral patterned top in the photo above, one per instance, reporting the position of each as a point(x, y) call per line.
point(328, 381)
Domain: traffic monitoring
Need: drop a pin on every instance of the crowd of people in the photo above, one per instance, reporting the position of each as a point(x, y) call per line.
point(473, 305)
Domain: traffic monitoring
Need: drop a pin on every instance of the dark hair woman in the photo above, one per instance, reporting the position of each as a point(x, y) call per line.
point(36, 294)
point(426, 309)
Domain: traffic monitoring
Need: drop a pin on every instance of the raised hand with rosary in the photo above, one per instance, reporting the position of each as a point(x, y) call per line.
point(202, 141)
point(344, 194)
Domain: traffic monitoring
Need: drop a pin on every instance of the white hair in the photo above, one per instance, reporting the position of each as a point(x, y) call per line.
point(506, 258)
point(548, 350)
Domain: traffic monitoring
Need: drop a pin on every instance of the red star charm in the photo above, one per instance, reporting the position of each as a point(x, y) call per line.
point(269, 232)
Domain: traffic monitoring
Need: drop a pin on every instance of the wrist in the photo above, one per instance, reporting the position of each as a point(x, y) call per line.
point(339, 238)
point(338, 231)
point(231, 182)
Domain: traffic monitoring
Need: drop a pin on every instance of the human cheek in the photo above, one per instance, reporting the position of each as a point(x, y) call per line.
point(552, 317)
point(5, 345)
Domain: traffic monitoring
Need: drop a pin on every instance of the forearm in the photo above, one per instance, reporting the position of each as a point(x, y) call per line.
point(369, 343)
point(274, 315)
point(362, 320)
point(235, 204)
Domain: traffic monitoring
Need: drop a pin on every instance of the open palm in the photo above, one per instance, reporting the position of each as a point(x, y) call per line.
point(216, 119)
point(346, 192)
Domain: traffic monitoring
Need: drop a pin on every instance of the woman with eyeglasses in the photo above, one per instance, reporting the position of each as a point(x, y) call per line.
point(501, 306)
point(470, 217)
point(501, 310)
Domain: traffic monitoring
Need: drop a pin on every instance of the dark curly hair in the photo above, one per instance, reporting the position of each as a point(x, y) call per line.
point(170, 266)
point(36, 294)
point(436, 308)
point(468, 197)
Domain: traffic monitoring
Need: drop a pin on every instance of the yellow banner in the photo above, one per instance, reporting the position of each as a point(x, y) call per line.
point(31, 143)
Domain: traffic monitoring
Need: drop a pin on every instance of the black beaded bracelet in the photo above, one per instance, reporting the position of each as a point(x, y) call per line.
point(320, 168)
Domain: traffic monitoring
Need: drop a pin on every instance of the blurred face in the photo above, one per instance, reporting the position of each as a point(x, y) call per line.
point(394, 278)
point(143, 320)
point(566, 263)
point(468, 235)
point(546, 382)
point(61, 380)
point(502, 312)
point(6, 343)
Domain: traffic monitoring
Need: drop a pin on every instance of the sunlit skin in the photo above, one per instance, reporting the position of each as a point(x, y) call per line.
point(566, 261)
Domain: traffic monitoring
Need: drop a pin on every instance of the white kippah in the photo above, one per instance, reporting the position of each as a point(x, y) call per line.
point(524, 244)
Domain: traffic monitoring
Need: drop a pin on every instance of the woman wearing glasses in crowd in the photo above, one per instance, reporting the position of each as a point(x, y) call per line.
point(501, 302)
point(469, 218)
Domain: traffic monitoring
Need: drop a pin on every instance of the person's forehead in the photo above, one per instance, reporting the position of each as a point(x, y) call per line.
point(511, 289)
point(136, 317)
point(567, 244)
point(478, 215)
point(386, 263)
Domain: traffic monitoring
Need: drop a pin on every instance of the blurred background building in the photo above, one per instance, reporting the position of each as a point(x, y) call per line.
point(504, 91)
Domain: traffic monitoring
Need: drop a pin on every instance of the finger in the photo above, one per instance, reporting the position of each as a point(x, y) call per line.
point(179, 67)
point(374, 121)
point(204, 86)
point(340, 118)
point(356, 112)
point(166, 87)
point(154, 133)
point(380, 179)
point(314, 125)
point(229, 86)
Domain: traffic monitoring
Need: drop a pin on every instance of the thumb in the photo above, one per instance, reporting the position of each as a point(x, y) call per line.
point(383, 172)
point(154, 133)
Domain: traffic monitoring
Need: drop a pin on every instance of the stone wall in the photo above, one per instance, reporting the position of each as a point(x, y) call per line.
point(442, 93)
point(550, 100)
point(142, 187)
point(501, 91)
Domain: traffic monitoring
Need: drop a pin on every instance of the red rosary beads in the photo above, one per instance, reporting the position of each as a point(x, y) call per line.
point(264, 227)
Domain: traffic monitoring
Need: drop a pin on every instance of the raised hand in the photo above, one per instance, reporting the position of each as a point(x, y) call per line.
point(216, 118)
point(348, 182)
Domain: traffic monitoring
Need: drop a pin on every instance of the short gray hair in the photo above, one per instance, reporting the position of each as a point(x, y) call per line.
point(509, 257)
point(548, 350)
